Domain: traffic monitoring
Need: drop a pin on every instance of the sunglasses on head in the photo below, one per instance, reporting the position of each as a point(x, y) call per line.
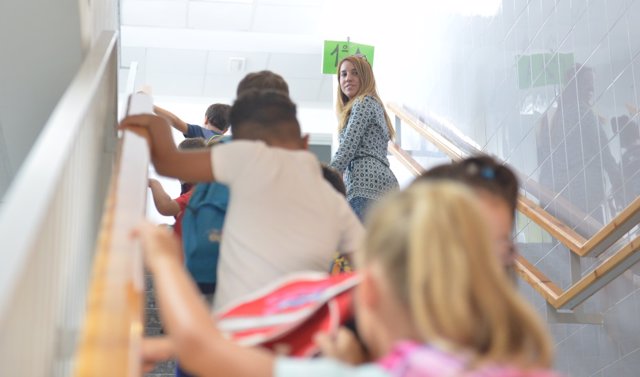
point(488, 171)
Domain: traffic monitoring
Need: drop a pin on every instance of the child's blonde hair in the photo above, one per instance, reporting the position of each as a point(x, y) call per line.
point(367, 88)
point(433, 246)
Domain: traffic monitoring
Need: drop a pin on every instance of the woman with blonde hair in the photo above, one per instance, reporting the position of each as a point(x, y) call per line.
point(364, 131)
point(433, 301)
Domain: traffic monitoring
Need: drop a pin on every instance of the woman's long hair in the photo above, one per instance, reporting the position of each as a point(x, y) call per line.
point(367, 88)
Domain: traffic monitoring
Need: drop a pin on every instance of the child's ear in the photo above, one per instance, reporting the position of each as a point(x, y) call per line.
point(305, 141)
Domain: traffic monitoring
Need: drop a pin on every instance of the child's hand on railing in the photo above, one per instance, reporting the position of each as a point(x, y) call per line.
point(153, 182)
point(141, 124)
point(158, 244)
point(137, 129)
point(153, 128)
point(142, 121)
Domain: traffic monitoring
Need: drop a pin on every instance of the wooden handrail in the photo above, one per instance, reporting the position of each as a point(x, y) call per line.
point(556, 228)
point(588, 225)
point(113, 328)
point(589, 284)
point(603, 235)
point(442, 143)
point(406, 159)
point(604, 238)
point(611, 232)
point(608, 270)
point(538, 280)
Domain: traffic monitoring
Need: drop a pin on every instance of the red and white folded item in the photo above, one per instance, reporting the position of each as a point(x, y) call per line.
point(285, 316)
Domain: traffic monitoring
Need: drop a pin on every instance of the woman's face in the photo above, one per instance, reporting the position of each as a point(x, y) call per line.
point(349, 79)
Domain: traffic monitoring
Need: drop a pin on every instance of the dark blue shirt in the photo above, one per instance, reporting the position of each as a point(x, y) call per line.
point(198, 131)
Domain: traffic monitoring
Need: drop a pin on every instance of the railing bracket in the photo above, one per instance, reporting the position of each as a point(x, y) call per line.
point(576, 316)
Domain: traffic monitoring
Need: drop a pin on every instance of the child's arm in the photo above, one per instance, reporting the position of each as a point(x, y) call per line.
point(164, 204)
point(173, 120)
point(155, 350)
point(200, 347)
point(190, 166)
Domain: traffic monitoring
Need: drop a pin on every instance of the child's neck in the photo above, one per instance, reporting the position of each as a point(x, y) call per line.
point(284, 143)
point(294, 145)
point(396, 323)
point(213, 128)
point(397, 329)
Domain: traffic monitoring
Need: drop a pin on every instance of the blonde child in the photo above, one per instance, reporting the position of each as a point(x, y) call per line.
point(496, 188)
point(433, 301)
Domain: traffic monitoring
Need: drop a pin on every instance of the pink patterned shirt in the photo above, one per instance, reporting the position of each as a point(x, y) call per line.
point(409, 359)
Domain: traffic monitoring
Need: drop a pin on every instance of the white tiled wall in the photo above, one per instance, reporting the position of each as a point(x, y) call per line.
point(463, 72)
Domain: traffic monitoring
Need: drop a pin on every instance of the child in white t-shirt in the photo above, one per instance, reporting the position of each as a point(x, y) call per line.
point(433, 301)
point(283, 216)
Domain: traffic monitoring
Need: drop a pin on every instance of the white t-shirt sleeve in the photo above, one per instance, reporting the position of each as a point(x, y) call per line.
point(289, 367)
point(352, 230)
point(229, 161)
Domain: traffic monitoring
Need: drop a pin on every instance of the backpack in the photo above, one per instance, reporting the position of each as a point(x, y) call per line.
point(340, 264)
point(217, 139)
point(285, 315)
point(202, 230)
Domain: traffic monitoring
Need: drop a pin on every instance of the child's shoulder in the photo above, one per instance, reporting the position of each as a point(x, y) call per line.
point(241, 146)
point(258, 146)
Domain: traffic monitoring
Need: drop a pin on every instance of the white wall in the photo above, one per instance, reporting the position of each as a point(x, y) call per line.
point(461, 71)
point(41, 52)
point(43, 44)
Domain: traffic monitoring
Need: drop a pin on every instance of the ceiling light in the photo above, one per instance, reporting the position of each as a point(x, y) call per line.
point(228, 1)
point(236, 64)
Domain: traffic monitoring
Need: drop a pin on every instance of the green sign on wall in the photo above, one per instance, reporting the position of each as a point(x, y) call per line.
point(542, 69)
point(334, 51)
